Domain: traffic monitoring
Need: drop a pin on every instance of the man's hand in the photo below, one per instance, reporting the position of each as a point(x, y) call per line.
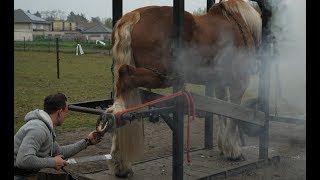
point(94, 137)
point(60, 162)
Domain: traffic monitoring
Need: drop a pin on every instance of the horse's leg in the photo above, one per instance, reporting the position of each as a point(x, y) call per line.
point(232, 147)
point(116, 165)
point(130, 134)
point(220, 93)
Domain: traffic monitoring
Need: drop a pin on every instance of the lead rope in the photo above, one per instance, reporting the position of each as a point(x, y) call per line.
point(190, 101)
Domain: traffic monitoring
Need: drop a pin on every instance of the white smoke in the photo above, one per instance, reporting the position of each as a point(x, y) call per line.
point(288, 25)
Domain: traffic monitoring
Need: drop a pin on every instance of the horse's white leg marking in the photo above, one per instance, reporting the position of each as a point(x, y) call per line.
point(232, 147)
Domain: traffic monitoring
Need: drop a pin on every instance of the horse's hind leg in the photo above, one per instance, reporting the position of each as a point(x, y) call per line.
point(220, 93)
point(232, 147)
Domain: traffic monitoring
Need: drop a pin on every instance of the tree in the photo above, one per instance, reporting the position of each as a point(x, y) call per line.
point(72, 17)
point(37, 14)
point(53, 15)
point(96, 20)
point(108, 22)
point(199, 12)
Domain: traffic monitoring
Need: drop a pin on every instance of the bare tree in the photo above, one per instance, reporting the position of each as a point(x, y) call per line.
point(53, 15)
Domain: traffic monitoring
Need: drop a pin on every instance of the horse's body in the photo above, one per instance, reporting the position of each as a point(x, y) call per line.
point(218, 48)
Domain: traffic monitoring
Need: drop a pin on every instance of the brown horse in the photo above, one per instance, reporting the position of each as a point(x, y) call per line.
point(218, 47)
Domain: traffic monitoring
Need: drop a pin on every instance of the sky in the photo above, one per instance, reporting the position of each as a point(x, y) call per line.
point(94, 8)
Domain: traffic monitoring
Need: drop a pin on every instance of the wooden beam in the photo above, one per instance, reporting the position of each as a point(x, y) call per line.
point(231, 110)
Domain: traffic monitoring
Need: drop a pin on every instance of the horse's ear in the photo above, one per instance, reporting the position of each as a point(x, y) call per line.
point(126, 70)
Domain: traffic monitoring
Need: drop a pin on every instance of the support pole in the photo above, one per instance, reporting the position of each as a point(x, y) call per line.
point(208, 123)
point(264, 79)
point(209, 4)
point(116, 15)
point(178, 116)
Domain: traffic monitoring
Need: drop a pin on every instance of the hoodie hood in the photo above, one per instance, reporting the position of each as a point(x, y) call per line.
point(40, 115)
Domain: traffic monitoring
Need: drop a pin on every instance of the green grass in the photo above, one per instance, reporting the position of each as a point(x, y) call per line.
point(82, 78)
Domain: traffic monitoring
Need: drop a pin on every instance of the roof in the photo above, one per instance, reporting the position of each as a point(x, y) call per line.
point(96, 28)
point(22, 16)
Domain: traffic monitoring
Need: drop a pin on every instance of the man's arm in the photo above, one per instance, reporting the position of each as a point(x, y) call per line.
point(26, 157)
point(72, 149)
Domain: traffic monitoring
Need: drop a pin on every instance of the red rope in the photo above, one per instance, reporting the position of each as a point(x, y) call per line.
point(164, 98)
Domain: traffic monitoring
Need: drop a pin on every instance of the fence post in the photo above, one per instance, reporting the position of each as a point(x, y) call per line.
point(58, 58)
point(48, 45)
point(24, 43)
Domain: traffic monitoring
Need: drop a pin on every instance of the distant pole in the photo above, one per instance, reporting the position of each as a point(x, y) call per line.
point(58, 59)
point(48, 45)
point(24, 43)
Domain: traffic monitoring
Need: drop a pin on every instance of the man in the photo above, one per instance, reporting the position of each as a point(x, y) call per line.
point(34, 143)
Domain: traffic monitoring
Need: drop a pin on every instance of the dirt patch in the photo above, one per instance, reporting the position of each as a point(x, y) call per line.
point(289, 140)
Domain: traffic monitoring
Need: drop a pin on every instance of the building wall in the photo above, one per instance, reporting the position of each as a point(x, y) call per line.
point(64, 26)
point(41, 27)
point(23, 26)
point(21, 35)
point(94, 37)
point(57, 26)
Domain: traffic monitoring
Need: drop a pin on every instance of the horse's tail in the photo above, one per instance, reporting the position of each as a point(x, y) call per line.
point(121, 37)
point(129, 138)
point(251, 17)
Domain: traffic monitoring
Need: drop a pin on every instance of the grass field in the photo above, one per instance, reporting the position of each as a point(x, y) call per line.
point(82, 78)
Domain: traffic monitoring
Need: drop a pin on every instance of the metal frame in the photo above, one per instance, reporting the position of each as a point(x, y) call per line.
point(176, 107)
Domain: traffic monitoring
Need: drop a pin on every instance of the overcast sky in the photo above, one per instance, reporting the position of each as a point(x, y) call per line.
point(94, 8)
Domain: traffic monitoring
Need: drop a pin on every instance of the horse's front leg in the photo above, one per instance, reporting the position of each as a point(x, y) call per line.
point(127, 141)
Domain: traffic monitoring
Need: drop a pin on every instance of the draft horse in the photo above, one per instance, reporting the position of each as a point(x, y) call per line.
point(218, 47)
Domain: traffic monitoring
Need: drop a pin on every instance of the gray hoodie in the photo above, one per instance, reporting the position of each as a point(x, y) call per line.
point(35, 145)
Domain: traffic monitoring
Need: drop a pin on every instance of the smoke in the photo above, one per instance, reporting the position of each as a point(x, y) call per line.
point(288, 24)
point(288, 60)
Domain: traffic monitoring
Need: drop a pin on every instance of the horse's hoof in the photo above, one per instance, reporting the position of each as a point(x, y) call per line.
point(238, 158)
point(124, 174)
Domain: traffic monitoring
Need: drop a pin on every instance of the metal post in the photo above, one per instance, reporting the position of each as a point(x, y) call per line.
point(116, 15)
point(58, 58)
point(208, 124)
point(116, 11)
point(209, 4)
point(264, 80)
point(177, 133)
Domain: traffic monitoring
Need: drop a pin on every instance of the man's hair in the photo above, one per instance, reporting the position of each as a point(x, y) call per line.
point(54, 102)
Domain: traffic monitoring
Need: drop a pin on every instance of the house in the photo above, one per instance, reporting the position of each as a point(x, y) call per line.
point(26, 24)
point(61, 25)
point(94, 31)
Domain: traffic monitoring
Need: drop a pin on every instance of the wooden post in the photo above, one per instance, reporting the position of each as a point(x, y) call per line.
point(24, 43)
point(58, 58)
